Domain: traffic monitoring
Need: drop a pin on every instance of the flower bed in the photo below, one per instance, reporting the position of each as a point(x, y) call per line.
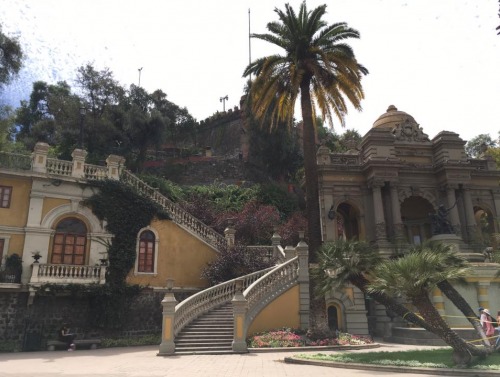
point(286, 337)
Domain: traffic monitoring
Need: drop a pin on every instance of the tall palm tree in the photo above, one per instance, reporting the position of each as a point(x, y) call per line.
point(414, 276)
point(450, 258)
point(322, 68)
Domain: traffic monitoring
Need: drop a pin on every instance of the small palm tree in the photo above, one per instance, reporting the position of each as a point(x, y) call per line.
point(450, 258)
point(414, 276)
point(322, 68)
point(343, 262)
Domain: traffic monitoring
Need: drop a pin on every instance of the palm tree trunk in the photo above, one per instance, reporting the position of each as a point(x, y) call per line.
point(311, 171)
point(457, 299)
point(462, 350)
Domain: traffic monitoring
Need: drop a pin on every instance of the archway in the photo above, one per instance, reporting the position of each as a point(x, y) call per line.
point(347, 222)
point(415, 212)
point(334, 314)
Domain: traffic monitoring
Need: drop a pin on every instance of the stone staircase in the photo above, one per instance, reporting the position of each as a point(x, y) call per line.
point(211, 333)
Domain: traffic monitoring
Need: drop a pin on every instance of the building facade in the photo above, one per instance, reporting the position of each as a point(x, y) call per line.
point(387, 191)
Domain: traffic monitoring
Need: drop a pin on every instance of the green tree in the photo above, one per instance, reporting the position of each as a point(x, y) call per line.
point(11, 58)
point(414, 276)
point(6, 127)
point(478, 145)
point(101, 95)
point(319, 66)
point(51, 115)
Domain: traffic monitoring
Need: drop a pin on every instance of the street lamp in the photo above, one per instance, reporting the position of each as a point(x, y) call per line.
point(83, 111)
point(140, 71)
point(223, 100)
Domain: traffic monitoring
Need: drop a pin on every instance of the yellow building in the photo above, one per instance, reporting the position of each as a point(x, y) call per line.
point(61, 241)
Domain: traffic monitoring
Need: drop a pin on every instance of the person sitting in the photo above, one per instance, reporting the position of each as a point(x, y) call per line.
point(67, 337)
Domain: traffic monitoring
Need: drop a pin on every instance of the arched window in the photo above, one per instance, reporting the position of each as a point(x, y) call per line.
point(146, 257)
point(70, 242)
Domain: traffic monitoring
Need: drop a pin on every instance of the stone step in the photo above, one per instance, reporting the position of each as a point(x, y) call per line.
point(205, 335)
point(203, 343)
point(203, 349)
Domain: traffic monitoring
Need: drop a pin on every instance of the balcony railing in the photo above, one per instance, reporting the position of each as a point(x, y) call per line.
point(15, 161)
point(67, 274)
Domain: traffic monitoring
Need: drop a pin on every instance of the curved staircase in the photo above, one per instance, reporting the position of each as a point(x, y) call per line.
point(216, 320)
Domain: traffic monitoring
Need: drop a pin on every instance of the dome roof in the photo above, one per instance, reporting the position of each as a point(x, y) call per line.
point(392, 117)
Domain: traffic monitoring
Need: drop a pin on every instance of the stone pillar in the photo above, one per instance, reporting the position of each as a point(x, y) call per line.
point(482, 294)
point(378, 206)
point(239, 311)
point(276, 243)
point(167, 346)
point(303, 280)
point(469, 215)
point(115, 165)
point(396, 215)
point(79, 156)
point(40, 157)
point(452, 204)
point(230, 233)
point(289, 253)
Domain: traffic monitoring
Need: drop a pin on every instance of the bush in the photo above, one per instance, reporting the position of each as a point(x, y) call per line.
point(146, 340)
point(235, 262)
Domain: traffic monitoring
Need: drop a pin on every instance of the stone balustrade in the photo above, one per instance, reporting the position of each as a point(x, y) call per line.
point(39, 162)
point(210, 298)
point(67, 274)
point(178, 215)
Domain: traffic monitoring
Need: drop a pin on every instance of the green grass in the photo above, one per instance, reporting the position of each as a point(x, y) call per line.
point(438, 358)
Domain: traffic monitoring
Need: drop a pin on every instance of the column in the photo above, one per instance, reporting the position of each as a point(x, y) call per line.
point(167, 346)
point(239, 311)
point(396, 214)
point(378, 207)
point(469, 215)
point(496, 200)
point(302, 250)
point(452, 204)
point(482, 294)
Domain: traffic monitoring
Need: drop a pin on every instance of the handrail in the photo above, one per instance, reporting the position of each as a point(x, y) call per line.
point(203, 301)
point(270, 286)
point(179, 215)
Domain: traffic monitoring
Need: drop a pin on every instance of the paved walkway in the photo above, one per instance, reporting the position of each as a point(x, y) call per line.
point(142, 361)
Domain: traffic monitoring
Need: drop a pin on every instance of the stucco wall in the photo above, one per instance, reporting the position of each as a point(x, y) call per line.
point(17, 214)
point(282, 312)
point(180, 256)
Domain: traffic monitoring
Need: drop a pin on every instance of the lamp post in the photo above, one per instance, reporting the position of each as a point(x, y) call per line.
point(83, 111)
point(223, 100)
point(140, 70)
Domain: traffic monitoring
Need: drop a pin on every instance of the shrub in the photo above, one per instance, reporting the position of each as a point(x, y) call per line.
point(235, 262)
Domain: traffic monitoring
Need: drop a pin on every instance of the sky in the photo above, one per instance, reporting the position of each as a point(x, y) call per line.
point(437, 60)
